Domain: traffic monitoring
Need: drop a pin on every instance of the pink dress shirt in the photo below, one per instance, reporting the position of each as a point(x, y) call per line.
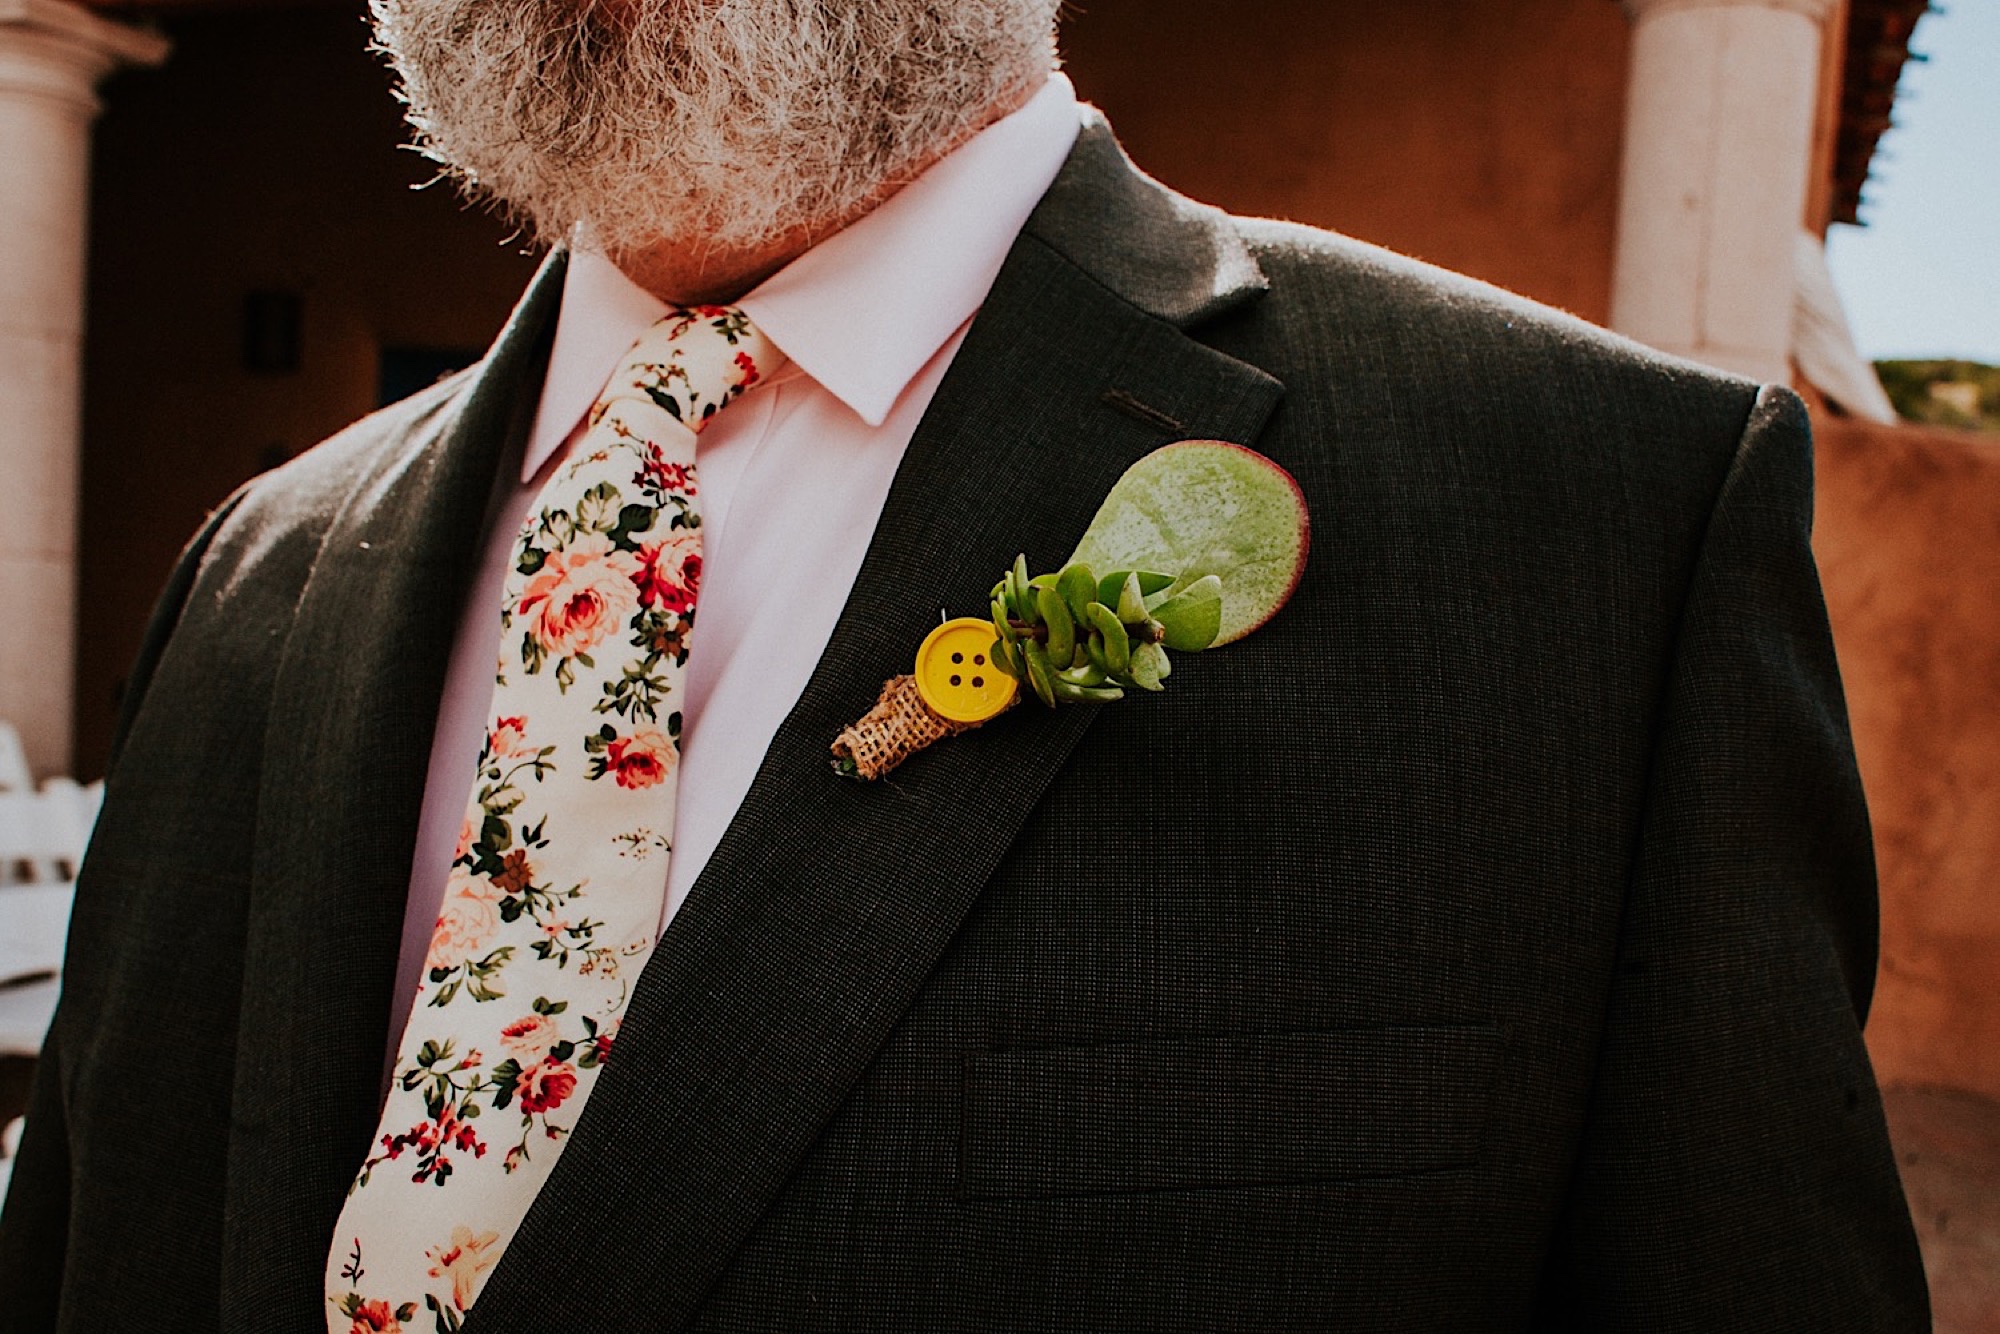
point(792, 478)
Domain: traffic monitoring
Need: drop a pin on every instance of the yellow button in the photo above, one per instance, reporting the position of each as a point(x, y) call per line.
point(956, 674)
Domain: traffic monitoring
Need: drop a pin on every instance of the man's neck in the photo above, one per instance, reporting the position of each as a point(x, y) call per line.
point(693, 275)
point(688, 275)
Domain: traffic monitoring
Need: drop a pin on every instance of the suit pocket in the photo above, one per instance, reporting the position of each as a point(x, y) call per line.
point(1238, 1111)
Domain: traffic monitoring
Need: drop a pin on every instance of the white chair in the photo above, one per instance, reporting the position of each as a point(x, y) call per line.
point(34, 920)
point(25, 1012)
point(42, 838)
point(70, 811)
point(18, 813)
point(40, 842)
point(10, 1144)
point(14, 775)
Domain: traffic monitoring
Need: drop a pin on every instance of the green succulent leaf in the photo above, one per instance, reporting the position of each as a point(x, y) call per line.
point(1191, 618)
point(1078, 587)
point(1020, 596)
point(1131, 601)
point(1117, 644)
point(1093, 649)
point(1148, 667)
point(1001, 625)
point(1089, 674)
point(1150, 582)
point(1007, 657)
point(1061, 643)
point(1040, 678)
point(1201, 508)
point(1074, 694)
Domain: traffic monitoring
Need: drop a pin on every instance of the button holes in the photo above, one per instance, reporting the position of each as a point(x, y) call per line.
point(958, 657)
point(979, 660)
point(1132, 407)
point(978, 682)
point(956, 680)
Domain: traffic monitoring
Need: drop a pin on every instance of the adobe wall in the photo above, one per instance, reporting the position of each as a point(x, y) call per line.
point(1483, 135)
point(1908, 538)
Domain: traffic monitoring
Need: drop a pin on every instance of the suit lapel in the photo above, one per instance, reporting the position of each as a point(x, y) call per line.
point(828, 902)
point(354, 704)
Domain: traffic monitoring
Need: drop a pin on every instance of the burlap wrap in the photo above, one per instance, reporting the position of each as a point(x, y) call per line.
point(899, 726)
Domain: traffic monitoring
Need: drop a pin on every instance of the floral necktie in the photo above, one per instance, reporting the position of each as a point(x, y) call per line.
point(555, 893)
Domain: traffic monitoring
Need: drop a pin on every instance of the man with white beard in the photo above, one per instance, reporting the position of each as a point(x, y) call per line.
point(1481, 945)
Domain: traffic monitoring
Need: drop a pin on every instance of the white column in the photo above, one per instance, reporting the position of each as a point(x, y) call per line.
point(1718, 147)
point(52, 54)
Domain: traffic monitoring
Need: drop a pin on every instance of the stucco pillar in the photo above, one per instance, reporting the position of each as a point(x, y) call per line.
point(1718, 149)
point(52, 55)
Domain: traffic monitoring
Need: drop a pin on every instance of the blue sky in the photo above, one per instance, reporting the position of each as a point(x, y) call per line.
point(1921, 278)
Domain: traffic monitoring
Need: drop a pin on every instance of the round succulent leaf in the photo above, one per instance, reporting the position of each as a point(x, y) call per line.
point(1206, 507)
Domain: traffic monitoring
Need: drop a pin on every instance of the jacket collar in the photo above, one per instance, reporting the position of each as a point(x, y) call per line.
point(353, 704)
point(1181, 261)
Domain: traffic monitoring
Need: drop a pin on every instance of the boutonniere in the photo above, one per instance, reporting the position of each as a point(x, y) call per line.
point(1198, 544)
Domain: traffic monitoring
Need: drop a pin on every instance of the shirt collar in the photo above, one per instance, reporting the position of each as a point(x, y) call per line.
point(863, 311)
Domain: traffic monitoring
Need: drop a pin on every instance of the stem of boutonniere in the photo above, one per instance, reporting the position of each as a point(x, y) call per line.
point(1148, 631)
point(899, 726)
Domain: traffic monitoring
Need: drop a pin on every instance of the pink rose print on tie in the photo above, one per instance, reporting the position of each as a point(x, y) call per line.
point(506, 739)
point(582, 595)
point(376, 1317)
point(670, 572)
point(467, 921)
point(462, 955)
point(543, 1087)
point(644, 759)
point(530, 1038)
point(435, 1140)
point(463, 1260)
point(657, 477)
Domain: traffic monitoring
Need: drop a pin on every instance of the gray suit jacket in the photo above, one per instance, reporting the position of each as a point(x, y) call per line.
point(1481, 945)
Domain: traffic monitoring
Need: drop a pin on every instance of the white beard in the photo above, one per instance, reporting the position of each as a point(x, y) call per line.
point(702, 123)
